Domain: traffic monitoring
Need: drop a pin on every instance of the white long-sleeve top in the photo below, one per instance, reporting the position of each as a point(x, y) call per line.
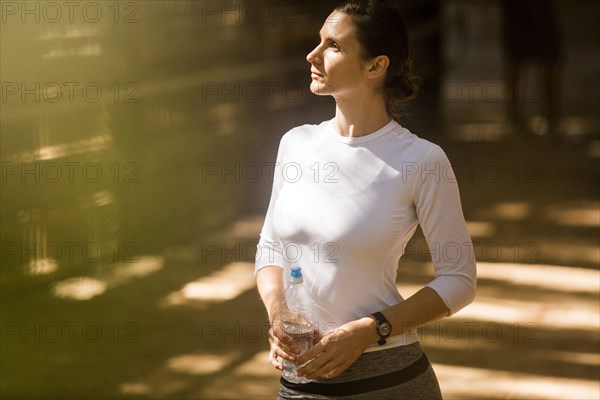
point(343, 209)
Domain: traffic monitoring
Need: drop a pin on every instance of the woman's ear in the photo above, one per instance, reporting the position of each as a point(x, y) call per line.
point(377, 66)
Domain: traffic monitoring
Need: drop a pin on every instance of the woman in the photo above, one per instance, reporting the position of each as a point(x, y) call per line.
point(347, 196)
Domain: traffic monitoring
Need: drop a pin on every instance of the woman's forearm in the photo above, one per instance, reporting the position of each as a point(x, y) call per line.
point(269, 281)
point(423, 307)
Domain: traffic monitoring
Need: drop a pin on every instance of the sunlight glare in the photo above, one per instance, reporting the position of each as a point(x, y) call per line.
point(458, 382)
point(79, 288)
point(199, 364)
point(224, 284)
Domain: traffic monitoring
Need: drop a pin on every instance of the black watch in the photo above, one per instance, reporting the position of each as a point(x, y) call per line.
point(383, 328)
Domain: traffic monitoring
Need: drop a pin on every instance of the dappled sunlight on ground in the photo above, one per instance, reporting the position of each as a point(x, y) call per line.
point(573, 315)
point(198, 364)
point(551, 277)
point(513, 211)
point(532, 331)
point(568, 252)
point(256, 378)
point(474, 352)
point(583, 213)
point(477, 383)
point(479, 229)
point(85, 288)
point(224, 284)
point(79, 288)
point(179, 373)
point(575, 214)
point(526, 315)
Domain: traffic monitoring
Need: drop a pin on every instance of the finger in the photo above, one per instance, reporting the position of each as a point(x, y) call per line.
point(288, 348)
point(311, 353)
point(281, 352)
point(274, 360)
point(324, 369)
point(315, 363)
point(277, 356)
point(285, 338)
point(290, 352)
point(281, 337)
point(336, 371)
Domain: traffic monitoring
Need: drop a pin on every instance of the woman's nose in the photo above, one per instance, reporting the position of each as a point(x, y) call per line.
point(313, 56)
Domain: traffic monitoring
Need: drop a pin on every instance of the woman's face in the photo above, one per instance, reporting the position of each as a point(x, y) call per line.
point(336, 65)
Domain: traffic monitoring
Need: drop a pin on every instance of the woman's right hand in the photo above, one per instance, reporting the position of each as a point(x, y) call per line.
point(282, 345)
point(269, 281)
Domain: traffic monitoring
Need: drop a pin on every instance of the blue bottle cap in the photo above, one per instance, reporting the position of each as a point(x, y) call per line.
point(296, 272)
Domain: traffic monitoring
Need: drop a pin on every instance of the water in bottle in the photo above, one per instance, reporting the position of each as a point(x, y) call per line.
point(296, 321)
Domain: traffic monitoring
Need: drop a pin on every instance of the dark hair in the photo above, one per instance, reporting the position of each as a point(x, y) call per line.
point(381, 30)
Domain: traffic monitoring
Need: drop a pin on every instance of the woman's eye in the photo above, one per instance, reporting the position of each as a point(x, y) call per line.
point(334, 45)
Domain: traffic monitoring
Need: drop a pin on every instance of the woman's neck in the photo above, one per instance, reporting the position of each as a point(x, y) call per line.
point(360, 117)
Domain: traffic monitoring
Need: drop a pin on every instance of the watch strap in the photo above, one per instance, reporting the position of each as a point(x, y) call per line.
point(381, 319)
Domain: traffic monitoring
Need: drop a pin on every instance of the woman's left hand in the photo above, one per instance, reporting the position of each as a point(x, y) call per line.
point(337, 350)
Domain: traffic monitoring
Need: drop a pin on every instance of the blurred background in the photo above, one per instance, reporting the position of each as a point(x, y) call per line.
point(137, 145)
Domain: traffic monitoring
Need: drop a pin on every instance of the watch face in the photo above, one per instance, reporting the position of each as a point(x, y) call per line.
point(385, 329)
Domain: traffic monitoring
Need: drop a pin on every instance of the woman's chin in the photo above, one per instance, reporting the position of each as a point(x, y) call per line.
point(321, 89)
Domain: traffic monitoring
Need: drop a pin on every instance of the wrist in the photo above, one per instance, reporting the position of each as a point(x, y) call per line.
point(368, 326)
point(274, 316)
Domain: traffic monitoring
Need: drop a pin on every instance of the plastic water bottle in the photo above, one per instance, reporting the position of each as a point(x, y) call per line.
point(296, 322)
